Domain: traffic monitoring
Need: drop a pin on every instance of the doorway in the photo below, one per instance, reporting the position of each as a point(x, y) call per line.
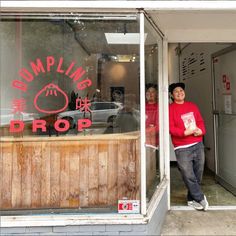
point(191, 63)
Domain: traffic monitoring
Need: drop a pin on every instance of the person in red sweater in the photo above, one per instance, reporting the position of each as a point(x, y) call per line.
point(152, 124)
point(187, 130)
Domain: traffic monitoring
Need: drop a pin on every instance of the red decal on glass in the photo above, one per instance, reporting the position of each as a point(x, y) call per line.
point(52, 95)
point(50, 62)
point(77, 74)
point(25, 74)
point(59, 70)
point(70, 68)
point(84, 84)
point(50, 99)
point(84, 123)
point(37, 67)
point(66, 125)
point(16, 126)
point(19, 105)
point(19, 85)
point(39, 124)
point(83, 104)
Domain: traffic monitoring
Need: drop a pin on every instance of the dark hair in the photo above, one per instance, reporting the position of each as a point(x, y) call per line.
point(151, 85)
point(175, 85)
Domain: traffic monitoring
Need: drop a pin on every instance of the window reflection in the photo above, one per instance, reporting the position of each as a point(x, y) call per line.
point(152, 116)
point(127, 119)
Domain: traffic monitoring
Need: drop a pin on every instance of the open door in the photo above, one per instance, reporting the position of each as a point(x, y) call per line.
point(224, 75)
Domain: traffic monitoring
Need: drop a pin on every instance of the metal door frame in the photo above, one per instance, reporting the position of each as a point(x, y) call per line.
point(216, 114)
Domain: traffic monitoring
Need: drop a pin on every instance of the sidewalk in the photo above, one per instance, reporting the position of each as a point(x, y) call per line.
point(192, 222)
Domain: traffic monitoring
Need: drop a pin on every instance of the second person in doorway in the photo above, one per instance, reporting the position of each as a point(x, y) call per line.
point(152, 120)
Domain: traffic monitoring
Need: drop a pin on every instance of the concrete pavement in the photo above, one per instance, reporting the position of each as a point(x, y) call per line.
point(192, 222)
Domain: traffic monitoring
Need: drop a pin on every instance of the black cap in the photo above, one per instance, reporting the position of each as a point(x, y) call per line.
point(175, 85)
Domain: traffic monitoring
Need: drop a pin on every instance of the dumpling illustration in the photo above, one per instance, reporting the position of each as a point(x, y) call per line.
point(51, 99)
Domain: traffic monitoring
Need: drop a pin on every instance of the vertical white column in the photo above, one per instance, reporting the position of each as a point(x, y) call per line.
point(161, 108)
point(143, 117)
point(165, 116)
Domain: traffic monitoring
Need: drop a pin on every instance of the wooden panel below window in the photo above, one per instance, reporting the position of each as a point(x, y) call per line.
point(69, 172)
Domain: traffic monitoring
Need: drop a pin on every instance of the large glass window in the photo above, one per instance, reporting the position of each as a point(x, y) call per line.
point(70, 112)
point(55, 69)
point(69, 117)
point(153, 55)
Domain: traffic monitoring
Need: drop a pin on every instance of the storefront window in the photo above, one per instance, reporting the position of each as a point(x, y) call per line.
point(71, 75)
point(153, 47)
point(70, 113)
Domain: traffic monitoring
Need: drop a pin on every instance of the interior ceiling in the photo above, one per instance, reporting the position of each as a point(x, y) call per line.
point(91, 36)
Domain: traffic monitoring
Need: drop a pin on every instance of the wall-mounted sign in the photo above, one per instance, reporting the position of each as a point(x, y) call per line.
point(228, 104)
point(192, 65)
point(226, 84)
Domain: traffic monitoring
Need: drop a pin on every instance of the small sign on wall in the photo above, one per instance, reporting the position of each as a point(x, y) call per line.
point(129, 206)
point(192, 65)
point(226, 84)
point(228, 104)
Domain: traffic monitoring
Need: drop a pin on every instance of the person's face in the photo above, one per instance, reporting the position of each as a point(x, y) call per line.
point(151, 95)
point(178, 95)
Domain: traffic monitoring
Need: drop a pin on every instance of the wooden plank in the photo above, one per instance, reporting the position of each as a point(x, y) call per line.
point(55, 175)
point(131, 170)
point(64, 174)
point(16, 175)
point(112, 172)
point(138, 169)
point(36, 161)
point(123, 154)
point(102, 169)
point(45, 175)
point(74, 176)
point(93, 174)
point(1, 174)
point(83, 174)
point(7, 176)
point(26, 175)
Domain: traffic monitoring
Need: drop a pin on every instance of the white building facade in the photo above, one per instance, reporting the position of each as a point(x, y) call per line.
point(86, 174)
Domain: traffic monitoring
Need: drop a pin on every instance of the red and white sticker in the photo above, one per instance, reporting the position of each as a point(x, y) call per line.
point(129, 206)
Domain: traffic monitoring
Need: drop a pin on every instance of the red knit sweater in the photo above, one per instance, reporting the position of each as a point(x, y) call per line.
point(180, 116)
point(152, 124)
point(152, 115)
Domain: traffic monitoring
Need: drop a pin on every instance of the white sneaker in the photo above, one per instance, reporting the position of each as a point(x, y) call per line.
point(204, 203)
point(195, 205)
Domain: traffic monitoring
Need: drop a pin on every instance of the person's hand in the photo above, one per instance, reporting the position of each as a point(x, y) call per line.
point(188, 132)
point(197, 132)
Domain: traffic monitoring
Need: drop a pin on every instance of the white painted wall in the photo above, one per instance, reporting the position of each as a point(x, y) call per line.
point(173, 69)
